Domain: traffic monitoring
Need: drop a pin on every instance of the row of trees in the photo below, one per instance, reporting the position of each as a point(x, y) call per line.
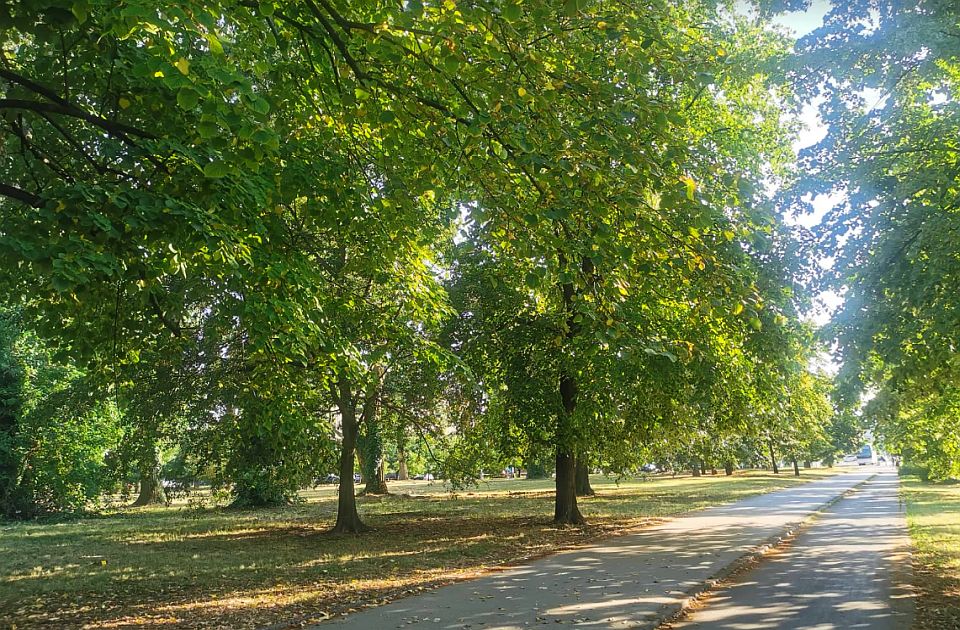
point(271, 233)
point(887, 75)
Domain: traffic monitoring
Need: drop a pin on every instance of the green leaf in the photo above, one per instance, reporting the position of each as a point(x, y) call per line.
point(512, 12)
point(216, 48)
point(187, 98)
point(216, 169)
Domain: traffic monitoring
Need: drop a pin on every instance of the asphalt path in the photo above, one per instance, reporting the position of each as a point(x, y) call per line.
point(631, 581)
point(846, 569)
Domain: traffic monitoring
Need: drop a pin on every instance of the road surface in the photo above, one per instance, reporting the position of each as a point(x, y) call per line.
point(845, 570)
point(631, 581)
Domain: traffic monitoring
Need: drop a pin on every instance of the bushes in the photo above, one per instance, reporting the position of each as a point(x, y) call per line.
point(53, 435)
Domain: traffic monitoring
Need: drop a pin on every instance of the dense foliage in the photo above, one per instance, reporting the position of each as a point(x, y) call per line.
point(889, 79)
point(464, 236)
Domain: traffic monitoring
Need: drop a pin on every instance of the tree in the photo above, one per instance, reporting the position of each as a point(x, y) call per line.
point(889, 89)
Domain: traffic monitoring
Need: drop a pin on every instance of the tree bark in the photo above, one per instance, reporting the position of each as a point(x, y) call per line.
point(536, 469)
point(402, 473)
point(807, 463)
point(375, 477)
point(696, 468)
point(151, 487)
point(796, 468)
point(773, 458)
point(565, 510)
point(348, 520)
point(582, 482)
point(728, 468)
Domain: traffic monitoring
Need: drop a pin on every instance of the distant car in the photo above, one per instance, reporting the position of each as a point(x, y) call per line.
point(417, 477)
point(649, 468)
point(356, 477)
point(428, 477)
point(331, 478)
point(392, 476)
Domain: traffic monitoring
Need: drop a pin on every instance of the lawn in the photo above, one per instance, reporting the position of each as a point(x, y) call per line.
point(933, 513)
point(190, 566)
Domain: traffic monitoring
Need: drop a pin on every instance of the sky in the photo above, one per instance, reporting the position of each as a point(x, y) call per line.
point(826, 303)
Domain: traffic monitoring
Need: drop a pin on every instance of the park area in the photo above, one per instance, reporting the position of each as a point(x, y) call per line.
point(190, 567)
point(479, 313)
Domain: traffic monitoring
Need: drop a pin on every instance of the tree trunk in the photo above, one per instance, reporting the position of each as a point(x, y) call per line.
point(713, 471)
point(536, 469)
point(402, 473)
point(703, 468)
point(807, 463)
point(773, 458)
point(796, 468)
point(371, 442)
point(696, 468)
point(348, 520)
point(565, 510)
point(582, 483)
point(377, 481)
point(151, 488)
point(728, 468)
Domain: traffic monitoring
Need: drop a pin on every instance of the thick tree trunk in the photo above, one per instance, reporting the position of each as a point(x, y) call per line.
point(370, 444)
point(796, 468)
point(703, 468)
point(807, 463)
point(536, 469)
point(582, 482)
point(348, 520)
point(565, 510)
point(773, 458)
point(728, 468)
point(151, 488)
point(377, 481)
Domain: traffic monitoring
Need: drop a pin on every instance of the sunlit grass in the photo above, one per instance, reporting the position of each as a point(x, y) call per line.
point(180, 566)
point(933, 512)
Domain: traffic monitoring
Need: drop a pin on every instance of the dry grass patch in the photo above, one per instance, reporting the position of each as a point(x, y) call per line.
point(190, 568)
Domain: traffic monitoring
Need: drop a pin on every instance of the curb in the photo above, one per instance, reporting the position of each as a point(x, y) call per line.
point(669, 614)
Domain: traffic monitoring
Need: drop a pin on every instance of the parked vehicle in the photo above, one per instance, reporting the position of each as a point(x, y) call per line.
point(867, 456)
point(331, 478)
point(393, 476)
point(649, 468)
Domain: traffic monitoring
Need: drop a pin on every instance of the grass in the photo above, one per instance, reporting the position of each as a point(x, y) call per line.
point(933, 514)
point(184, 566)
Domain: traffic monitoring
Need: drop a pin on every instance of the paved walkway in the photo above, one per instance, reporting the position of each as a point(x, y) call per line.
point(630, 581)
point(840, 572)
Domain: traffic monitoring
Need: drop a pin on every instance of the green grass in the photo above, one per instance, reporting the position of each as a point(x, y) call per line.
point(181, 566)
point(933, 513)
